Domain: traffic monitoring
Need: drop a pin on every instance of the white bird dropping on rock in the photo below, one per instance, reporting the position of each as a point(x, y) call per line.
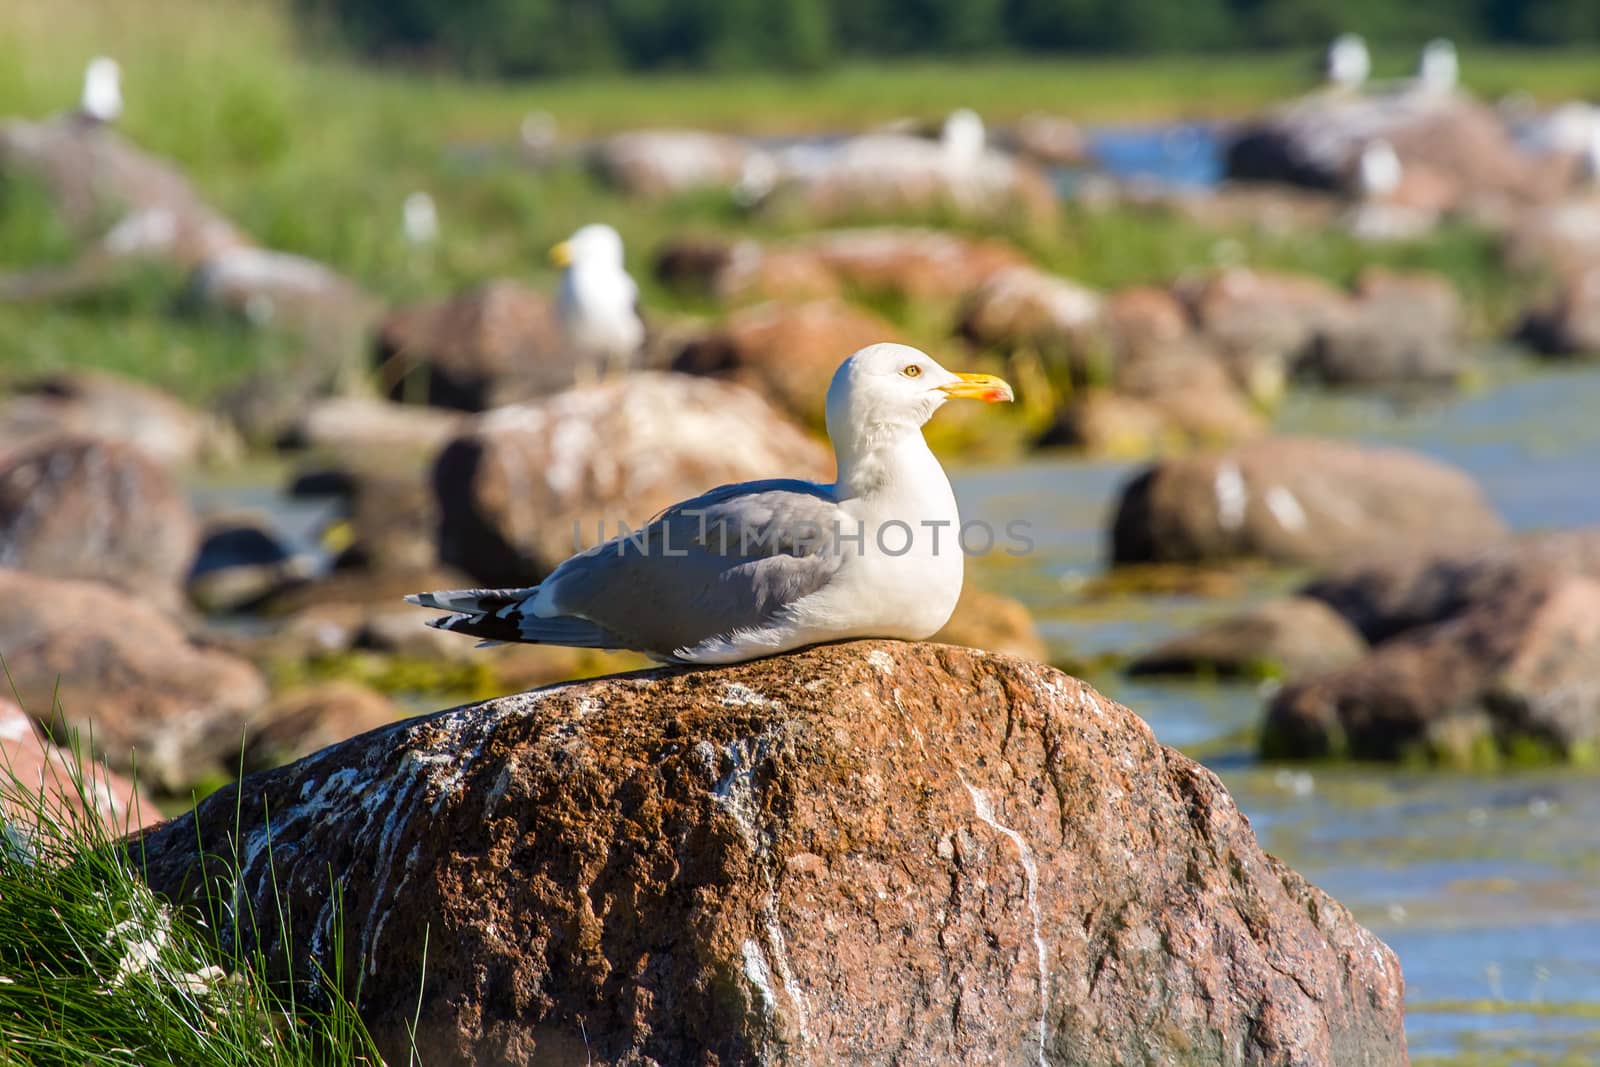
point(758, 568)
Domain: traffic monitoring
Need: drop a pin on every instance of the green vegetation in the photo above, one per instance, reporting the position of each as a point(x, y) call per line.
point(313, 154)
point(95, 970)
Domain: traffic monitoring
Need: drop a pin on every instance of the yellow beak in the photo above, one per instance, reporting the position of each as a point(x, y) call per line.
point(561, 254)
point(985, 387)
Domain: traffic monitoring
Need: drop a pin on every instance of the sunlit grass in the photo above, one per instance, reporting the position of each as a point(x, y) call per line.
point(95, 969)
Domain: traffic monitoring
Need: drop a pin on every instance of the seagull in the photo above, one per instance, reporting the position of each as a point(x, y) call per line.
point(1439, 69)
point(102, 91)
point(420, 219)
point(758, 568)
point(1378, 170)
point(962, 138)
point(598, 302)
point(1348, 63)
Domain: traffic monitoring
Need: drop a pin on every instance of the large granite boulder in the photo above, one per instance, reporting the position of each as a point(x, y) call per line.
point(138, 692)
point(492, 345)
point(1291, 637)
point(898, 176)
point(1029, 309)
point(103, 187)
point(38, 777)
point(863, 853)
point(115, 408)
point(85, 508)
point(908, 264)
point(1516, 674)
point(1390, 593)
point(658, 163)
point(525, 486)
point(1297, 500)
point(1317, 140)
point(785, 352)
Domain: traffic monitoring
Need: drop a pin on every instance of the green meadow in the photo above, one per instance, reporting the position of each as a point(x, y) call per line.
point(314, 153)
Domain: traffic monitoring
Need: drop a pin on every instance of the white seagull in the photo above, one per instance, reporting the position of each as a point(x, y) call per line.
point(420, 219)
point(1378, 170)
point(102, 90)
point(758, 568)
point(1348, 63)
point(1439, 69)
point(598, 302)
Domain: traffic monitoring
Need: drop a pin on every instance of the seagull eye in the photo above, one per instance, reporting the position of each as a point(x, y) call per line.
point(912, 371)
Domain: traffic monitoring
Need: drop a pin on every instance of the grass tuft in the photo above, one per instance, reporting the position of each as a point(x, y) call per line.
point(96, 970)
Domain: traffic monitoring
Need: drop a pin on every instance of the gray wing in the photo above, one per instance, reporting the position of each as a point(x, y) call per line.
point(729, 560)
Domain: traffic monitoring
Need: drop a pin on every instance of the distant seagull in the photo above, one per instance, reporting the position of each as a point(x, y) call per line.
point(1589, 159)
point(421, 219)
point(1440, 68)
point(102, 90)
point(598, 302)
point(963, 137)
point(1348, 63)
point(1378, 170)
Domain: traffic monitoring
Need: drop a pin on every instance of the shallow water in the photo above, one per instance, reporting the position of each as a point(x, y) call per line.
point(1488, 887)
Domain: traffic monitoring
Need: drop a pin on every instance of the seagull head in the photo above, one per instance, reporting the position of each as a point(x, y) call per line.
point(595, 245)
point(886, 390)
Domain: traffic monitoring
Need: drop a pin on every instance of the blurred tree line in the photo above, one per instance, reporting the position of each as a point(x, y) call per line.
point(533, 37)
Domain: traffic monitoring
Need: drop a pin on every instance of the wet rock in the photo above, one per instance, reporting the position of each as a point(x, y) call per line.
point(911, 264)
point(785, 352)
point(85, 508)
point(863, 853)
point(993, 623)
point(62, 782)
point(87, 658)
point(301, 721)
point(1518, 673)
point(1317, 140)
point(899, 176)
point(1297, 500)
point(96, 178)
point(1293, 637)
point(1261, 317)
point(1396, 592)
point(492, 345)
point(1143, 321)
point(1171, 402)
point(900, 263)
point(114, 408)
point(657, 163)
point(1568, 322)
point(524, 483)
point(1051, 140)
point(358, 425)
point(241, 560)
point(1023, 308)
point(389, 518)
point(743, 269)
point(1403, 328)
point(287, 292)
point(1560, 238)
